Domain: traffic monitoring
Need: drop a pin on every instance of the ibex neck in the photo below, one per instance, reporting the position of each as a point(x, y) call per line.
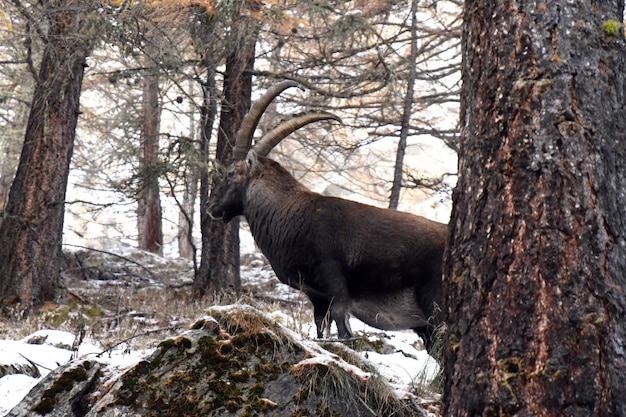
point(275, 210)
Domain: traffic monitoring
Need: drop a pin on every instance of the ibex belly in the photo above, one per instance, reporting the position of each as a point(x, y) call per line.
point(390, 311)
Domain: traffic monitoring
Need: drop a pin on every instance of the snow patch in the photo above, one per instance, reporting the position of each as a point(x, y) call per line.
point(47, 350)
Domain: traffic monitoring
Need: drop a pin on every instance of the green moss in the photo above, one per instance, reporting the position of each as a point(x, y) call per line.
point(220, 357)
point(198, 324)
point(65, 382)
point(174, 346)
point(254, 401)
point(300, 412)
point(156, 361)
point(77, 374)
point(225, 394)
point(131, 382)
point(262, 342)
point(256, 390)
point(58, 317)
point(179, 378)
point(611, 27)
point(510, 369)
point(167, 344)
point(45, 406)
point(72, 303)
point(271, 370)
point(240, 376)
point(93, 311)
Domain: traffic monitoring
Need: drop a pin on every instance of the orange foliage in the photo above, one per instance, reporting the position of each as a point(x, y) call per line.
point(209, 5)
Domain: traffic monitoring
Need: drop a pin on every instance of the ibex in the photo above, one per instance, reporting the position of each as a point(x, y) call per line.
point(382, 266)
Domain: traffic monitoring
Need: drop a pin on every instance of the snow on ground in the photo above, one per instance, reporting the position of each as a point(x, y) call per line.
point(403, 361)
point(404, 367)
point(47, 350)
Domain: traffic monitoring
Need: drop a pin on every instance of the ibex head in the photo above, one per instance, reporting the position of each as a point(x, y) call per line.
point(227, 201)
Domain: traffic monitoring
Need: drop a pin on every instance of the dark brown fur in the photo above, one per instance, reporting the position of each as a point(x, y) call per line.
point(382, 266)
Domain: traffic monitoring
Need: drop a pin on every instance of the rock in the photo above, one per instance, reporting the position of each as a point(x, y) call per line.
point(62, 393)
point(236, 361)
point(19, 368)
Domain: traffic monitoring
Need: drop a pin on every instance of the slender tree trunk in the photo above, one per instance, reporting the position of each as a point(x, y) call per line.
point(186, 247)
point(396, 186)
point(31, 233)
point(219, 267)
point(150, 232)
point(223, 254)
point(10, 151)
point(535, 273)
point(201, 281)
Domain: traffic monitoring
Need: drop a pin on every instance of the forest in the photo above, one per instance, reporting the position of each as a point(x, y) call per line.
point(156, 123)
point(118, 120)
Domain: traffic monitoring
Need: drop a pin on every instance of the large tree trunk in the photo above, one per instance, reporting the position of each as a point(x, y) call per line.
point(149, 229)
point(535, 273)
point(31, 232)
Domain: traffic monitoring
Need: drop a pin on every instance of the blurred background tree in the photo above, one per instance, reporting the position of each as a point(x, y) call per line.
point(31, 232)
point(181, 74)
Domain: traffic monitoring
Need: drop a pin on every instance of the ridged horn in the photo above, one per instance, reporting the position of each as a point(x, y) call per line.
point(243, 139)
point(284, 129)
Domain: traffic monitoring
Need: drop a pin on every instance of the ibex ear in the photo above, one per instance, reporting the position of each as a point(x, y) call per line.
point(251, 160)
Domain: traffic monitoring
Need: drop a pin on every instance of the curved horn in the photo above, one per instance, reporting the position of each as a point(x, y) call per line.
point(284, 129)
point(243, 139)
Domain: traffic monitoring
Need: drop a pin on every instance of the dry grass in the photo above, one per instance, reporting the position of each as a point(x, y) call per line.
point(139, 302)
point(138, 298)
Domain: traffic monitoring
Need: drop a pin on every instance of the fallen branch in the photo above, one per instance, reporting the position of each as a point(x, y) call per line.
point(35, 364)
point(112, 254)
point(146, 333)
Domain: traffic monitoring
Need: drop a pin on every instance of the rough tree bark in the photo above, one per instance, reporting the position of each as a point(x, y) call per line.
point(31, 232)
point(535, 272)
point(208, 113)
point(149, 229)
point(220, 270)
point(219, 264)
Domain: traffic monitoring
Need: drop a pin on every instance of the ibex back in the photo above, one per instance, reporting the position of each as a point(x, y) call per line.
point(382, 266)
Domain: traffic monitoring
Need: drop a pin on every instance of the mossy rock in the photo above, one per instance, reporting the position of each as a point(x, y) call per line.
point(62, 393)
point(236, 361)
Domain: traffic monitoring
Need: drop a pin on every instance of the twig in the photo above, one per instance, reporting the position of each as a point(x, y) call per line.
point(269, 298)
point(341, 341)
point(35, 363)
point(367, 407)
point(147, 333)
point(78, 296)
point(130, 313)
point(112, 254)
